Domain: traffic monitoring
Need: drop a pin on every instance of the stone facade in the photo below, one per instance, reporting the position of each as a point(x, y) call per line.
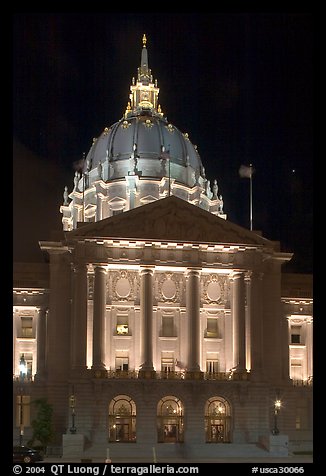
point(200, 324)
point(155, 321)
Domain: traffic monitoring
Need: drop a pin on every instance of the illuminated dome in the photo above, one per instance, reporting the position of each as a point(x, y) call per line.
point(137, 160)
point(143, 141)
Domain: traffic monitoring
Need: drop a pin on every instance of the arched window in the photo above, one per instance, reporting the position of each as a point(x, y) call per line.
point(217, 420)
point(122, 419)
point(170, 413)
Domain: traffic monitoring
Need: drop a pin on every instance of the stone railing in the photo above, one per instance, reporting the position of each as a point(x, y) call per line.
point(303, 383)
point(178, 375)
point(122, 374)
point(25, 379)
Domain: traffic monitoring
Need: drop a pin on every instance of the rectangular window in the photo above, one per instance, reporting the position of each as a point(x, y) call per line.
point(23, 411)
point(117, 212)
point(168, 326)
point(212, 362)
point(167, 362)
point(212, 366)
point(296, 372)
point(27, 327)
point(295, 335)
point(122, 324)
point(28, 357)
point(212, 329)
point(122, 361)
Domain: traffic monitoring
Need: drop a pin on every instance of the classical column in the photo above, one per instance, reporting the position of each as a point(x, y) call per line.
point(146, 322)
point(132, 183)
point(41, 343)
point(79, 328)
point(248, 311)
point(254, 315)
point(99, 308)
point(309, 347)
point(238, 319)
point(193, 315)
point(98, 207)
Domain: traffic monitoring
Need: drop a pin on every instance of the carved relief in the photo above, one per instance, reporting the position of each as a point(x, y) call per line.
point(170, 128)
point(122, 286)
point(148, 124)
point(125, 125)
point(168, 288)
point(215, 289)
point(174, 219)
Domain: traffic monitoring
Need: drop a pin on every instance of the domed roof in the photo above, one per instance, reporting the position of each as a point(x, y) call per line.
point(143, 140)
point(137, 160)
point(150, 139)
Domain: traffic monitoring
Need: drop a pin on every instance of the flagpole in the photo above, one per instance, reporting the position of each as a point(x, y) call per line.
point(169, 159)
point(250, 197)
point(169, 177)
point(83, 196)
point(84, 183)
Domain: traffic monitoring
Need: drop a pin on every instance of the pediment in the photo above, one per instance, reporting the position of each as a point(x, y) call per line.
point(173, 219)
point(148, 199)
point(117, 200)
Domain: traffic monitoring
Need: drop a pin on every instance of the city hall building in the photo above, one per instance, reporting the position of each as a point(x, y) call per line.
point(155, 322)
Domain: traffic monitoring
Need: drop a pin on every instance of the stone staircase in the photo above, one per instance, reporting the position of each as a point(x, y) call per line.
point(130, 452)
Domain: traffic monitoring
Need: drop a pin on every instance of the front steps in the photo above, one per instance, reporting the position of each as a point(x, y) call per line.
point(165, 452)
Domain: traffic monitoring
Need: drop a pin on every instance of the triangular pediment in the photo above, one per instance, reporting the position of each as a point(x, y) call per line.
point(148, 199)
point(170, 219)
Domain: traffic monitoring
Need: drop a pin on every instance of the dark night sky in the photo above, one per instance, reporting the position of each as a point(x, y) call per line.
point(240, 83)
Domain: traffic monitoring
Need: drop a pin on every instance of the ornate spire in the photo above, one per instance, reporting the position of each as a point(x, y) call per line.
point(144, 92)
point(144, 73)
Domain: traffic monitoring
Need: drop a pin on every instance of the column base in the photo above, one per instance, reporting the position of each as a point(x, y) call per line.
point(240, 374)
point(194, 375)
point(79, 372)
point(149, 374)
point(99, 373)
point(257, 375)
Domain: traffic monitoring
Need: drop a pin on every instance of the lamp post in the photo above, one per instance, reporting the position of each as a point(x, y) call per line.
point(72, 402)
point(22, 374)
point(277, 407)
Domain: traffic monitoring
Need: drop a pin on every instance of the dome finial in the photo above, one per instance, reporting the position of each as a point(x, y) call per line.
point(144, 40)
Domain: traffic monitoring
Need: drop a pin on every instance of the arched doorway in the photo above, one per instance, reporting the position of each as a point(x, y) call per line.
point(170, 413)
point(217, 420)
point(122, 419)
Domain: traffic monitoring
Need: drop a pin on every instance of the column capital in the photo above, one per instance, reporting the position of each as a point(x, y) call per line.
point(146, 270)
point(248, 275)
point(236, 275)
point(193, 272)
point(100, 268)
point(41, 309)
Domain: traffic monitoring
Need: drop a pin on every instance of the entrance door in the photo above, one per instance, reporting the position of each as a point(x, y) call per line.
point(170, 433)
point(122, 432)
point(217, 433)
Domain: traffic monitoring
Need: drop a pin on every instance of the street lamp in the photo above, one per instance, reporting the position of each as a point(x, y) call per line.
point(22, 374)
point(72, 402)
point(277, 407)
